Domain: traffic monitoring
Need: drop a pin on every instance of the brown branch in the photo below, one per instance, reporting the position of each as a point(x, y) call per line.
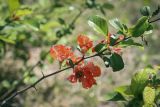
point(30, 86)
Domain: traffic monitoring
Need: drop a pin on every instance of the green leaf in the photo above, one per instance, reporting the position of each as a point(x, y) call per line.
point(149, 95)
point(99, 24)
point(13, 5)
point(6, 40)
point(116, 24)
point(23, 12)
point(125, 92)
point(150, 27)
point(99, 47)
point(122, 89)
point(115, 97)
point(140, 27)
point(145, 11)
point(135, 102)
point(140, 80)
point(71, 63)
point(61, 21)
point(6, 84)
point(113, 39)
point(130, 42)
point(116, 62)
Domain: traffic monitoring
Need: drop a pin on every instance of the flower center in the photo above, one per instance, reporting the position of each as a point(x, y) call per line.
point(79, 74)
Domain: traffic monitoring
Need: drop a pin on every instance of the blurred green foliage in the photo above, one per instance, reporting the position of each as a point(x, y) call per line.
point(27, 25)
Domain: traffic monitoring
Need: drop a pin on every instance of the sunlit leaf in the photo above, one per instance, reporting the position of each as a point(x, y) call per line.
point(99, 24)
point(116, 24)
point(23, 12)
point(7, 40)
point(149, 95)
point(13, 5)
point(140, 80)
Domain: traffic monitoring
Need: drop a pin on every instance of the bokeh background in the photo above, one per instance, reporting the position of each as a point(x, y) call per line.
point(28, 41)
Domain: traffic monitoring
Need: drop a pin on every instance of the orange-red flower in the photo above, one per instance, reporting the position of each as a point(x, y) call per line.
point(85, 43)
point(85, 74)
point(61, 52)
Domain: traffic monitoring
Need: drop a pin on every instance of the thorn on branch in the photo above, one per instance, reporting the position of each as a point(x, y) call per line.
point(35, 88)
point(42, 73)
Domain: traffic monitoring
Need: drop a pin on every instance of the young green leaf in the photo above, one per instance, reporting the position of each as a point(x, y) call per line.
point(99, 47)
point(7, 40)
point(116, 24)
point(145, 11)
point(140, 80)
point(130, 42)
point(115, 97)
point(116, 61)
point(125, 92)
point(149, 95)
point(99, 24)
point(140, 27)
point(13, 5)
point(23, 12)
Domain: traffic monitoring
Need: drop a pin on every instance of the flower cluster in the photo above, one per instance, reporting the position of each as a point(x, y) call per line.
point(83, 72)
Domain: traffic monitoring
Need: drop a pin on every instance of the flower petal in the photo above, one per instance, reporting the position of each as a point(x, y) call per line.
point(61, 52)
point(72, 78)
point(85, 43)
point(97, 71)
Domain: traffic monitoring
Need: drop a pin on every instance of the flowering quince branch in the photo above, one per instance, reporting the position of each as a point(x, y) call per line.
point(108, 50)
point(39, 80)
point(63, 54)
